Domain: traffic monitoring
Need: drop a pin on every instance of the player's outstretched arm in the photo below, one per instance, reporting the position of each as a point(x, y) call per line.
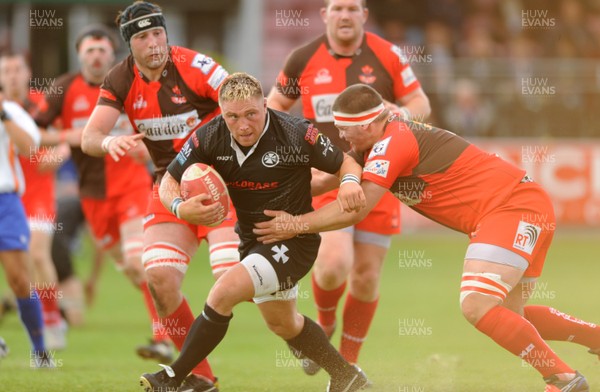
point(327, 218)
point(350, 196)
point(193, 210)
point(95, 139)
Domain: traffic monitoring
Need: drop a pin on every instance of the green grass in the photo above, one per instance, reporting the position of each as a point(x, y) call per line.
point(442, 353)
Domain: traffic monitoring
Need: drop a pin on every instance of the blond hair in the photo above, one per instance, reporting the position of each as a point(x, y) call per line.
point(240, 86)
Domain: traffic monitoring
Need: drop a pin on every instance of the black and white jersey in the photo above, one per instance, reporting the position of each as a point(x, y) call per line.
point(273, 175)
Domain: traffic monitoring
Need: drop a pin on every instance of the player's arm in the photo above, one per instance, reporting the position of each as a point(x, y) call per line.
point(415, 105)
point(95, 139)
point(327, 218)
point(350, 195)
point(278, 101)
point(322, 182)
point(20, 127)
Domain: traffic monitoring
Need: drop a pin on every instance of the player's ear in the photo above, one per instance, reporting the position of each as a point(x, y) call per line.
point(323, 12)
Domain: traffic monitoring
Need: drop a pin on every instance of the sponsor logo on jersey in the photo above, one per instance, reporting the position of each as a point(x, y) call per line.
point(224, 157)
point(408, 77)
point(321, 105)
point(139, 102)
point(380, 147)
point(325, 143)
point(217, 77)
point(379, 167)
point(168, 127)
point(526, 237)
point(203, 63)
point(252, 185)
point(81, 104)
point(144, 22)
point(270, 159)
point(400, 53)
point(184, 154)
point(195, 140)
point(323, 76)
point(367, 76)
point(311, 135)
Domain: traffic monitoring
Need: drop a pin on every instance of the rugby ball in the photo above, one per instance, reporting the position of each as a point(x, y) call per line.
point(200, 178)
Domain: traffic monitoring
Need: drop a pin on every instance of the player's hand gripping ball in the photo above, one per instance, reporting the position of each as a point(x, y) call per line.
point(200, 178)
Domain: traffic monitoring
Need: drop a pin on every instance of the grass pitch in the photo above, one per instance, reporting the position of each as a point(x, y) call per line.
point(418, 341)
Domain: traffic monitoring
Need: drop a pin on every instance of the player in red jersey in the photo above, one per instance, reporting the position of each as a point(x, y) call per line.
point(113, 195)
point(315, 73)
point(509, 219)
point(167, 92)
point(38, 200)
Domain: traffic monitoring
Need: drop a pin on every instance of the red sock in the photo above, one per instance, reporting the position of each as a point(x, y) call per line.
point(50, 310)
point(326, 302)
point(555, 325)
point(177, 325)
point(158, 332)
point(518, 336)
point(357, 319)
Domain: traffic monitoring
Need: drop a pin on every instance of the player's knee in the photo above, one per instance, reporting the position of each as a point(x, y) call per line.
point(221, 299)
point(479, 293)
point(331, 272)
point(134, 271)
point(20, 285)
point(223, 255)
point(364, 283)
point(286, 328)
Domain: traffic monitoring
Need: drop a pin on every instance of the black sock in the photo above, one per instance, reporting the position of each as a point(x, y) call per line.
point(314, 344)
point(206, 333)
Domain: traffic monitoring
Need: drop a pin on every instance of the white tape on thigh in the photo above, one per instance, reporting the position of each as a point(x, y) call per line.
point(483, 283)
point(133, 247)
point(262, 273)
point(223, 255)
point(163, 254)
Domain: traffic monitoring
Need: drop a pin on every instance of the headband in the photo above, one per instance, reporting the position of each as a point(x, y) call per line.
point(362, 118)
point(142, 23)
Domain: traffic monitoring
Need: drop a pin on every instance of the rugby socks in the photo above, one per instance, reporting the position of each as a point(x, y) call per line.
point(519, 336)
point(206, 333)
point(30, 312)
point(326, 302)
point(177, 326)
point(357, 320)
point(314, 344)
point(159, 334)
point(555, 325)
point(49, 300)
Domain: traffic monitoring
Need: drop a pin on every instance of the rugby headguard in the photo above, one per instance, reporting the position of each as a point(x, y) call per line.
point(138, 17)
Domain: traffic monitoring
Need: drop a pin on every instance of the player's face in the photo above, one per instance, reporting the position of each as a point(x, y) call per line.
point(96, 56)
point(358, 136)
point(245, 119)
point(149, 48)
point(14, 76)
point(344, 20)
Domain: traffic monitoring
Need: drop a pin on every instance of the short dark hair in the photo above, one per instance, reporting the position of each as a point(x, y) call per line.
point(97, 32)
point(357, 99)
point(363, 3)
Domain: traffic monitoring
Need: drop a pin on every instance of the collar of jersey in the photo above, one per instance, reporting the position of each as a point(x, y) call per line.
point(241, 157)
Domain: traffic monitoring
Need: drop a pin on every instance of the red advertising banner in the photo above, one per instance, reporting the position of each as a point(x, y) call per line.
point(569, 170)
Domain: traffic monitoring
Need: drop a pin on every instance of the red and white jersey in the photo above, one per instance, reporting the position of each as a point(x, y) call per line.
point(439, 174)
point(11, 174)
point(317, 75)
point(169, 110)
point(99, 177)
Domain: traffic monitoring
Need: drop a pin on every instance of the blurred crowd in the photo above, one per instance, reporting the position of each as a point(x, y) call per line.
point(525, 68)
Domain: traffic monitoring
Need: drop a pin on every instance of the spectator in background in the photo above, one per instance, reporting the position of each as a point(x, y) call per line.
point(469, 113)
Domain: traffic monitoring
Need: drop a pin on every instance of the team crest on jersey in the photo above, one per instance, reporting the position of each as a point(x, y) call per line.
point(270, 159)
point(325, 143)
point(526, 237)
point(323, 76)
point(139, 102)
point(380, 148)
point(379, 167)
point(367, 76)
point(177, 98)
point(81, 104)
